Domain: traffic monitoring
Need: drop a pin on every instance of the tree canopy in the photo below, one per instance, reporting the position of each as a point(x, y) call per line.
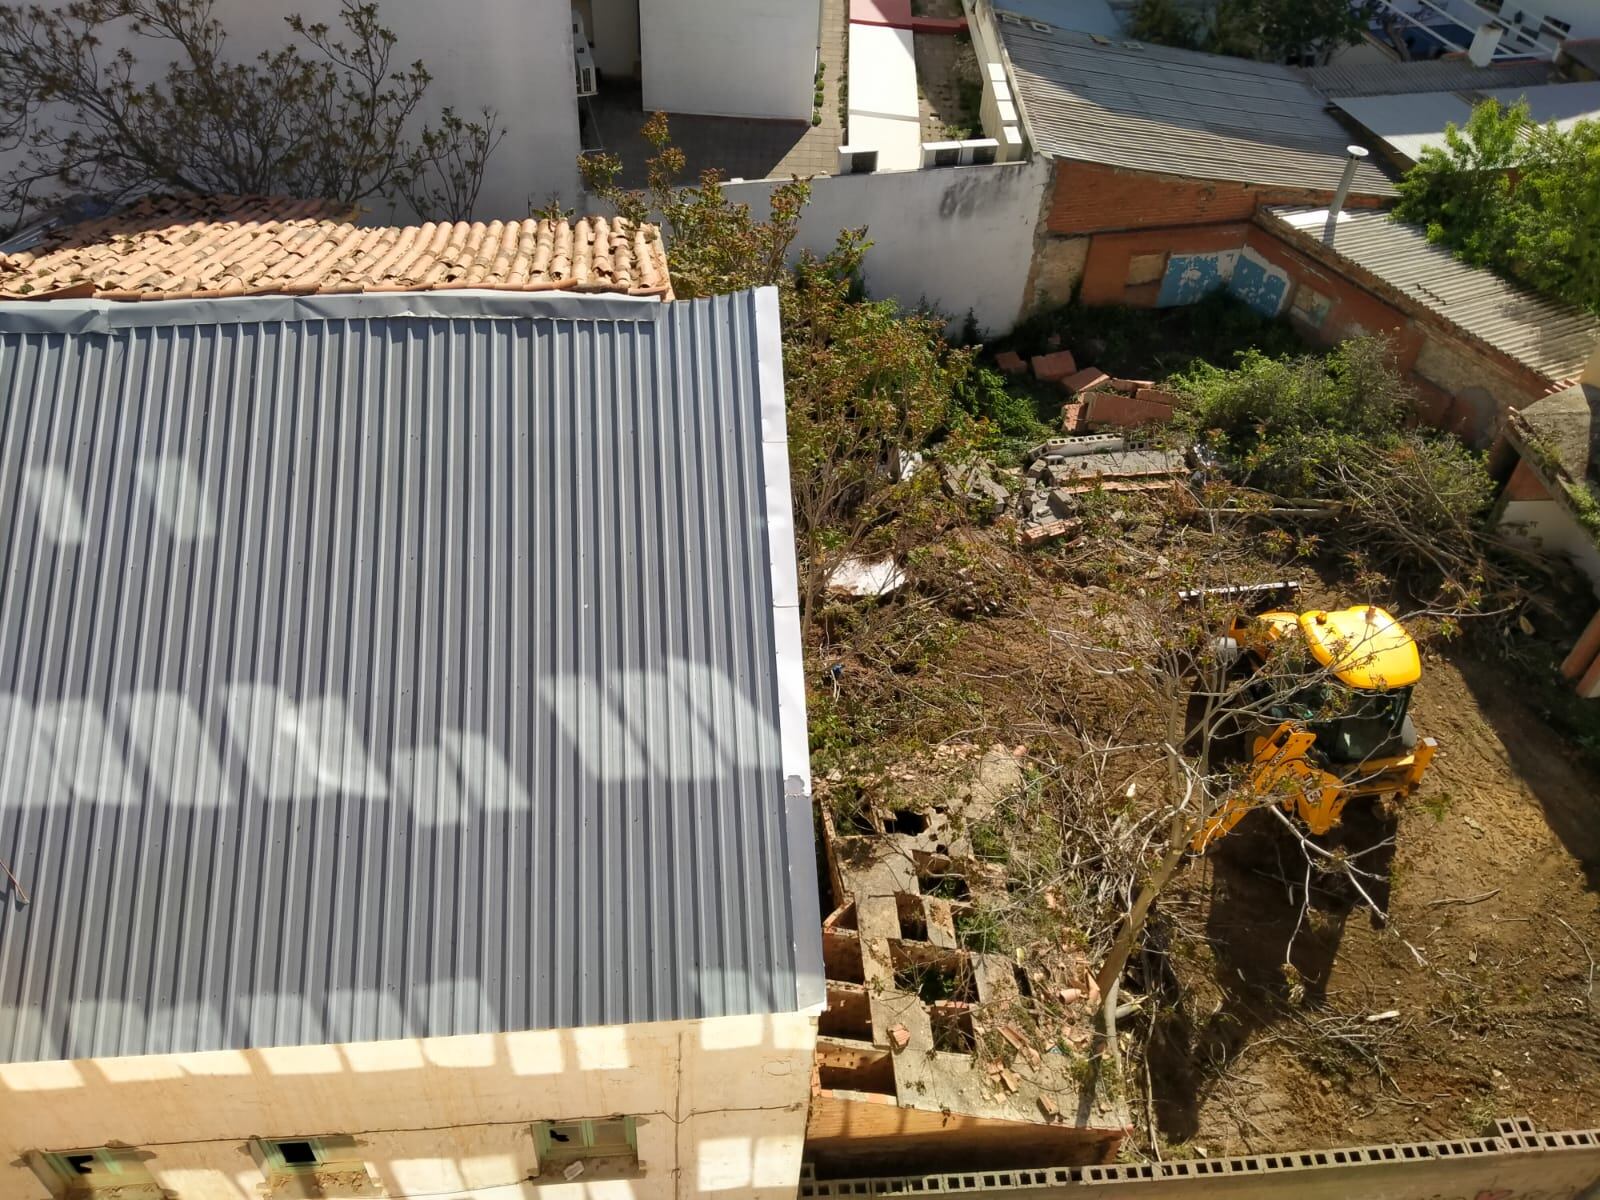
point(1269, 30)
point(329, 115)
point(1518, 197)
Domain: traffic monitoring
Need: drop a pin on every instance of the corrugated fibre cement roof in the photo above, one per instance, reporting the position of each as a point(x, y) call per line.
point(396, 666)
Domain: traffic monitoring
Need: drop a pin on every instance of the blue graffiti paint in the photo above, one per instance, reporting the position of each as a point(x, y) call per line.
point(1190, 277)
point(1259, 285)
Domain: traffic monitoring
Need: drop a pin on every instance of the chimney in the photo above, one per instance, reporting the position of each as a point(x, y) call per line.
point(1356, 153)
point(1484, 43)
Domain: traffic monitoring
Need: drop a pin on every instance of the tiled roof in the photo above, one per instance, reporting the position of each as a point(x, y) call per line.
point(1550, 339)
point(1177, 112)
point(199, 247)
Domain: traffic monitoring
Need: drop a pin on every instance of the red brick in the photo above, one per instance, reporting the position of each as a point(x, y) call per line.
point(1010, 362)
point(1130, 387)
point(1053, 367)
point(1124, 412)
point(1154, 395)
point(1085, 379)
point(1089, 197)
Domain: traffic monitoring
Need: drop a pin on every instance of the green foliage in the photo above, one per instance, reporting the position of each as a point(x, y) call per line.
point(1167, 23)
point(866, 384)
point(1269, 30)
point(1132, 341)
point(1520, 198)
point(1013, 412)
point(325, 117)
point(716, 245)
point(1282, 422)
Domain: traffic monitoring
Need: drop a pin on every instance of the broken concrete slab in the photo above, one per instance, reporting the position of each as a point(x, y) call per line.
point(858, 577)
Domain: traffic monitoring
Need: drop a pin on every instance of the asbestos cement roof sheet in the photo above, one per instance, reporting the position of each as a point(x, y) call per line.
point(1549, 339)
point(396, 666)
point(1177, 112)
point(1410, 123)
point(1438, 75)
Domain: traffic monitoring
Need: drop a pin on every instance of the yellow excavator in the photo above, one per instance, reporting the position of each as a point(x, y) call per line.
point(1346, 733)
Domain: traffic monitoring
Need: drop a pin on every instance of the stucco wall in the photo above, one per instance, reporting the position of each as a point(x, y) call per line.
point(733, 58)
point(957, 238)
point(511, 55)
point(721, 1107)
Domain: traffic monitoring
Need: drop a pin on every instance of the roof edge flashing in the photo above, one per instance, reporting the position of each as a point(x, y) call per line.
point(102, 316)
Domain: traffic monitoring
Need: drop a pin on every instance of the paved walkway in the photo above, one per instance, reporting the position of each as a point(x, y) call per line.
point(739, 147)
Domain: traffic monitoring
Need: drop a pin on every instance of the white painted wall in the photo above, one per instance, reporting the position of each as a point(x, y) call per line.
point(885, 114)
point(514, 56)
point(1556, 531)
point(721, 1105)
point(731, 58)
point(614, 35)
point(957, 238)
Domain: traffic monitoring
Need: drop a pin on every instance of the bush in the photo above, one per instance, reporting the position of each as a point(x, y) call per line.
point(987, 395)
point(1520, 198)
point(1282, 423)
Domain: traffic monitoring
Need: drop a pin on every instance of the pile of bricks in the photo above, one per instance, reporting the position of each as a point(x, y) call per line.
point(1060, 471)
point(1095, 400)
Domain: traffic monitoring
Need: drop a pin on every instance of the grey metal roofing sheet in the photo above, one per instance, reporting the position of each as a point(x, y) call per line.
point(1549, 338)
point(1440, 75)
point(396, 666)
point(1178, 112)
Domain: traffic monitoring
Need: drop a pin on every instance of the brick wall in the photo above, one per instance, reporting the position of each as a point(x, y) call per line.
point(1090, 198)
point(1462, 387)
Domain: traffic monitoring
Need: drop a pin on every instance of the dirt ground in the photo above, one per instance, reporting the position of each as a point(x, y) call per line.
point(1488, 961)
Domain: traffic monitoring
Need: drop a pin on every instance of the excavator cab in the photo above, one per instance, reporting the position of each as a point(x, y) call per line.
point(1346, 733)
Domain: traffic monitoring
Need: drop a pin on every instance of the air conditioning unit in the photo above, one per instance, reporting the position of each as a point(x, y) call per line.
point(941, 154)
point(857, 162)
point(583, 59)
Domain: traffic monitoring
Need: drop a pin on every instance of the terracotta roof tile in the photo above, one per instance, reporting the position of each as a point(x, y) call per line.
point(172, 248)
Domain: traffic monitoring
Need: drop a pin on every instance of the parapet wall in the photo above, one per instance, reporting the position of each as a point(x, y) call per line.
point(1514, 1163)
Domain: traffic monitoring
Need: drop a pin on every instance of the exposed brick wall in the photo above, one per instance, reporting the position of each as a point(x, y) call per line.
point(1524, 484)
point(1106, 269)
point(1090, 198)
point(1461, 386)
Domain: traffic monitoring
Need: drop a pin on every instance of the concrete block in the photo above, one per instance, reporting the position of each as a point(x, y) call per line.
point(1085, 380)
point(1053, 368)
point(1010, 362)
point(1061, 502)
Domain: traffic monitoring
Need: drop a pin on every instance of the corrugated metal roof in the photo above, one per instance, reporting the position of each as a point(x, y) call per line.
point(1177, 112)
point(1439, 75)
point(1549, 338)
point(379, 667)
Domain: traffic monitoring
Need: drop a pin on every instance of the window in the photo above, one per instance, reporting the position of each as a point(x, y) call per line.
point(1556, 28)
point(306, 1153)
point(608, 1141)
point(73, 1172)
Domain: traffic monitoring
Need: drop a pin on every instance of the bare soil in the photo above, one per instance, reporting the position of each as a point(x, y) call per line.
point(1485, 982)
point(949, 87)
point(1492, 883)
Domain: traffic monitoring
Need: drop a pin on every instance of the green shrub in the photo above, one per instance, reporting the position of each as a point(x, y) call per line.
point(1281, 423)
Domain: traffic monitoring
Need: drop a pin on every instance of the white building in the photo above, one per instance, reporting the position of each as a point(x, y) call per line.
point(740, 58)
